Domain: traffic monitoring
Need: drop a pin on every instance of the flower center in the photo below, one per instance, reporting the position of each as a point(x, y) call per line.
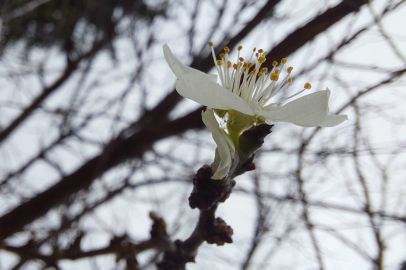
point(251, 82)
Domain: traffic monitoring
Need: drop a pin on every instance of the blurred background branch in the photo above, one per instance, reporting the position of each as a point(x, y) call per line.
point(93, 135)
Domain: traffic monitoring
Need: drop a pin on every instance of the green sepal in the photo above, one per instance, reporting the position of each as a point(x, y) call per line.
point(249, 141)
point(220, 113)
point(252, 139)
point(237, 123)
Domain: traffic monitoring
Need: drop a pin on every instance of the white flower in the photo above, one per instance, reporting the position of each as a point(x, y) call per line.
point(244, 95)
point(249, 92)
point(225, 147)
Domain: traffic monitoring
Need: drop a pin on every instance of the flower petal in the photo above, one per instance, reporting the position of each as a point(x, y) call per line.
point(225, 147)
point(179, 69)
point(333, 120)
point(217, 166)
point(205, 92)
point(307, 111)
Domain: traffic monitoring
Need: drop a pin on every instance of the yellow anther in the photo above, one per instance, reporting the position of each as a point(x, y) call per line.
point(210, 44)
point(253, 71)
point(260, 50)
point(222, 55)
point(284, 60)
point(274, 77)
point(261, 60)
point(254, 49)
point(249, 65)
point(260, 74)
point(240, 48)
point(256, 55)
point(307, 86)
point(277, 71)
point(241, 59)
point(264, 70)
point(274, 63)
point(226, 49)
point(235, 66)
point(289, 69)
point(290, 80)
point(229, 64)
point(245, 65)
point(219, 62)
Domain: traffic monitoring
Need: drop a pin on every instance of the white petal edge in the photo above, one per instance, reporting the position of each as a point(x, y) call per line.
point(334, 120)
point(210, 94)
point(179, 69)
point(220, 170)
point(225, 147)
point(308, 111)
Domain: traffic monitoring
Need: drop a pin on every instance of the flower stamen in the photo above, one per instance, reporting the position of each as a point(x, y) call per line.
point(274, 77)
point(249, 81)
